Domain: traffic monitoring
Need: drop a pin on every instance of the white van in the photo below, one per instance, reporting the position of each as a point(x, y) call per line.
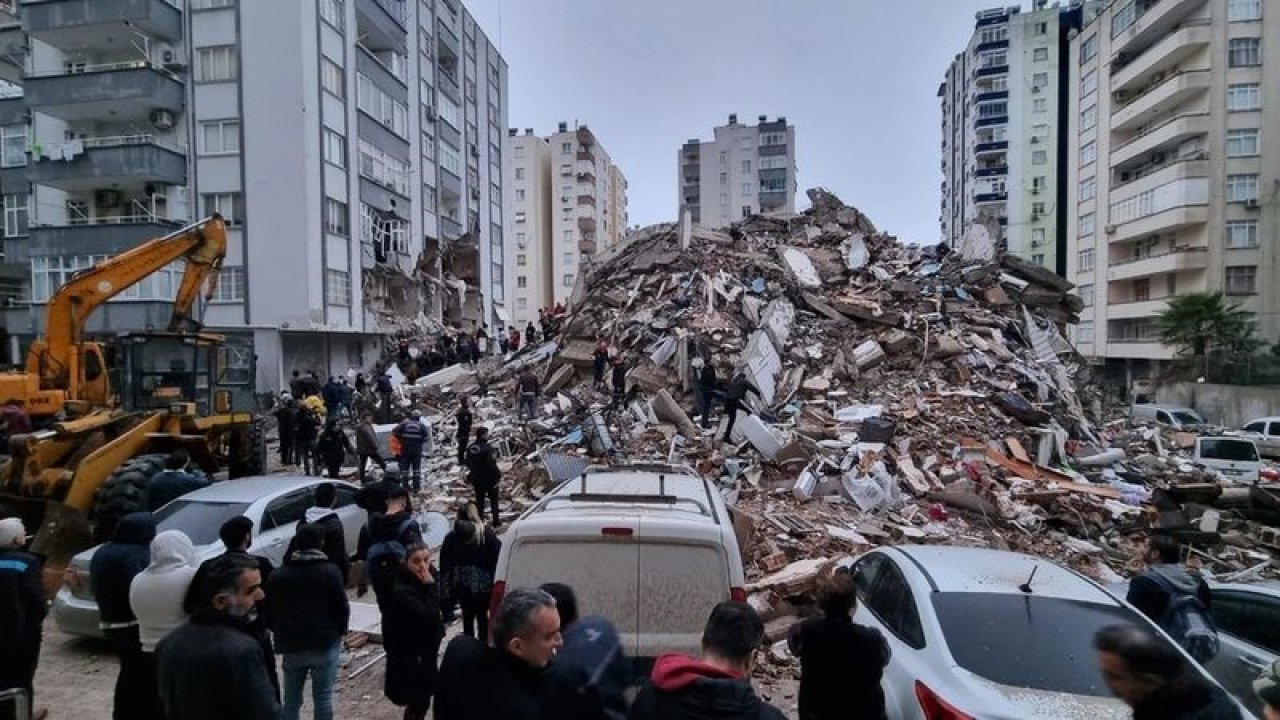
point(1235, 458)
point(650, 547)
point(1174, 416)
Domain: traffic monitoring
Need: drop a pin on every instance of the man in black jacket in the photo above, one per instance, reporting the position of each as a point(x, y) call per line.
point(367, 446)
point(211, 668)
point(463, 417)
point(718, 685)
point(286, 422)
point(704, 389)
point(22, 596)
point(111, 571)
point(1164, 577)
point(1153, 678)
point(325, 518)
point(309, 615)
point(735, 399)
point(483, 473)
point(174, 481)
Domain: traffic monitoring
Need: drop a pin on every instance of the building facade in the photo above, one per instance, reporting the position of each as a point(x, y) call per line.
point(1174, 168)
point(1004, 109)
point(747, 169)
point(357, 162)
point(567, 202)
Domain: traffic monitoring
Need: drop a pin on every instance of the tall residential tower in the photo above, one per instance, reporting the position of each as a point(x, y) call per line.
point(747, 169)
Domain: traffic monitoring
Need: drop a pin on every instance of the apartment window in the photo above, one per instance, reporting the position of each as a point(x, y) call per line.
point(1037, 183)
point(746, 166)
point(335, 148)
point(1037, 208)
point(331, 11)
point(1037, 259)
point(1040, 80)
point(1238, 10)
point(1087, 224)
point(337, 287)
point(519, 173)
point(568, 236)
point(773, 138)
point(776, 162)
point(1042, 28)
point(1088, 49)
point(522, 281)
point(17, 215)
point(428, 199)
point(448, 110)
point(1088, 189)
point(1040, 105)
point(1124, 17)
point(384, 169)
point(1245, 96)
point(1142, 289)
point(1040, 54)
point(1037, 237)
point(1244, 52)
point(1084, 259)
point(569, 279)
point(1088, 153)
point(1040, 131)
point(521, 260)
point(520, 195)
point(569, 258)
point(724, 199)
point(220, 137)
point(522, 303)
point(1088, 118)
point(995, 109)
point(335, 216)
point(993, 34)
point(449, 160)
point(724, 157)
point(230, 285)
point(1086, 295)
point(13, 146)
point(229, 205)
point(1242, 187)
point(1242, 234)
point(332, 79)
point(377, 104)
point(1242, 280)
point(1088, 83)
point(1039, 157)
point(1170, 285)
point(566, 148)
point(211, 4)
point(216, 64)
point(1242, 143)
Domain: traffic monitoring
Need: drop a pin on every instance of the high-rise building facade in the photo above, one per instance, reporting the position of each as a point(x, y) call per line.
point(747, 169)
point(1174, 169)
point(567, 201)
point(1004, 108)
point(356, 158)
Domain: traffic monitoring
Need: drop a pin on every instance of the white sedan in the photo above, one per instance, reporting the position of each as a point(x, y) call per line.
point(275, 504)
point(976, 636)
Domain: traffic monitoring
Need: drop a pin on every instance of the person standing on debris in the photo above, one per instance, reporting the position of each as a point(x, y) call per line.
point(468, 560)
point(174, 481)
point(1154, 679)
point(531, 334)
point(704, 389)
point(514, 340)
point(529, 390)
point(463, 416)
point(466, 354)
point(1174, 598)
point(156, 596)
point(112, 570)
point(367, 446)
point(719, 684)
point(411, 630)
point(482, 342)
point(484, 474)
point(619, 379)
point(305, 432)
point(286, 425)
point(332, 447)
point(312, 384)
point(384, 390)
point(504, 342)
point(840, 663)
point(599, 361)
point(412, 433)
point(734, 400)
point(591, 673)
point(22, 597)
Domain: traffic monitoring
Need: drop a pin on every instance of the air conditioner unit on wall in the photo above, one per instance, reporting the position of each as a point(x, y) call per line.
point(1109, 229)
point(162, 119)
point(1251, 203)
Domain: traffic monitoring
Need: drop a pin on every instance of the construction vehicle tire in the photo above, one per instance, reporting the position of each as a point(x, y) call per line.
point(124, 492)
point(253, 460)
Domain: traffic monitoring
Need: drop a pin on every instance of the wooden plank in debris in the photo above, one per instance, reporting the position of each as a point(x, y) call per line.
point(1016, 450)
point(792, 524)
point(1025, 471)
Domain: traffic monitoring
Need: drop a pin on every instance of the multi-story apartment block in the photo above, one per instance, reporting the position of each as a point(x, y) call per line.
point(1174, 169)
point(356, 159)
point(747, 169)
point(567, 201)
point(1004, 107)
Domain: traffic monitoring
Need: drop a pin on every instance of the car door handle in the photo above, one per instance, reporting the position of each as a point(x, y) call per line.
point(1252, 663)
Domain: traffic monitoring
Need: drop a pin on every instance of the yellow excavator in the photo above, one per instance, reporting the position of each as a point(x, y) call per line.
point(106, 414)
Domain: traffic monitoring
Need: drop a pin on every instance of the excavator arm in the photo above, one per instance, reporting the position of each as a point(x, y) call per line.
point(202, 244)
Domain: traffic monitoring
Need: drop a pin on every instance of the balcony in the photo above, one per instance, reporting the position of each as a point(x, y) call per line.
point(993, 45)
point(1166, 136)
point(587, 200)
point(80, 24)
point(587, 224)
point(587, 247)
point(1163, 97)
point(991, 95)
point(991, 147)
point(1152, 177)
point(586, 155)
point(994, 171)
point(990, 121)
point(122, 92)
point(101, 236)
point(450, 229)
point(1159, 19)
point(13, 51)
point(381, 24)
point(109, 162)
point(1138, 349)
point(990, 197)
point(1177, 260)
point(1175, 205)
point(1163, 56)
point(991, 71)
point(590, 178)
point(1136, 309)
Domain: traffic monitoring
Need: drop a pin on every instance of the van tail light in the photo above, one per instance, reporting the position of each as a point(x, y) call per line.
point(495, 598)
point(737, 594)
point(934, 707)
point(617, 531)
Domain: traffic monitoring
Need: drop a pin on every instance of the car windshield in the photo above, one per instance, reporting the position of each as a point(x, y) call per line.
point(1186, 418)
point(1026, 641)
point(1227, 449)
point(199, 520)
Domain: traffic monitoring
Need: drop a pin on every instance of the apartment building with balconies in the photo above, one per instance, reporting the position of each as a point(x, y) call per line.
point(356, 160)
point(1173, 179)
point(745, 170)
point(1004, 107)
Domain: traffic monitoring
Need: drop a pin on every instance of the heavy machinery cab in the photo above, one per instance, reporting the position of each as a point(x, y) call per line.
point(158, 370)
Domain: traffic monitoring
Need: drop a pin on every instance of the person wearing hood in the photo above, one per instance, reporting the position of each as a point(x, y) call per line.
point(468, 560)
point(1149, 675)
point(412, 630)
point(156, 595)
point(483, 473)
point(1166, 581)
point(111, 572)
point(716, 686)
point(591, 673)
point(22, 596)
point(391, 532)
point(309, 616)
point(325, 518)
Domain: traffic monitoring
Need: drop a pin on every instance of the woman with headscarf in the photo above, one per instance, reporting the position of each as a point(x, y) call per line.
point(156, 595)
point(468, 559)
point(411, 631)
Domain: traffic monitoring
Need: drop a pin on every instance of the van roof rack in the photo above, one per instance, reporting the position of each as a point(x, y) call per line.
point(662, 497)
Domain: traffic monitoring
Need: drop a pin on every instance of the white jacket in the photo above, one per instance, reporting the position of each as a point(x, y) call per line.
point(156, 593)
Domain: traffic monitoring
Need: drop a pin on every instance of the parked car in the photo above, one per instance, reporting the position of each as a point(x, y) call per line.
point(988, 635)
point(1175, 416)
point(1235, 458)
point(651, 547)
point(1265, 433)
point(274, 503)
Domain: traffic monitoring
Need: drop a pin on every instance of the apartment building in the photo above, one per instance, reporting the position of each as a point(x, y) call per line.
point(1175, 168)
point(1004, 112)
point(747, 169)
point(567, 202)
point(356, 159)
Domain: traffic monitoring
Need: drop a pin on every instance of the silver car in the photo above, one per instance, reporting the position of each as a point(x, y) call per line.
point(275, 504)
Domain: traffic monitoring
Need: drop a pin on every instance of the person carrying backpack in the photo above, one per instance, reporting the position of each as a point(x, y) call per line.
point(1175, 599)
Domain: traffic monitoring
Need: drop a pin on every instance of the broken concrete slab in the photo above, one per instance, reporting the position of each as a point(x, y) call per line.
point(666, 408)
point(794, 578)
point(868, 354)
point(801, 267)
point(754, 430)
point(447, 376)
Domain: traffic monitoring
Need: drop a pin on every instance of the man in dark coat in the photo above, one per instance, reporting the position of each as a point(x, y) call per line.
point(367, 447)
point(331, 393)
point(618, 376)
point(212, 668)
point(704, 389)
point(286, 425)
point(112, 569)
point(324, 518)
point(174, 481)
point(1165, 576)
point(390, 533)
point(306, 430)
point(333, 446)
point(297, 386)
point(529, 389)
point(412, 629)
point(413, 435)
point(599, 361)
point(718, 685)
point(22, 598)
point(483, 473)
point(463, 417)
point(1153, 678)
point(735, 399)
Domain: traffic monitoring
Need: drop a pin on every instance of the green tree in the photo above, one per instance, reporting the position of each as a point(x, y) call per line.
point(1203, 325)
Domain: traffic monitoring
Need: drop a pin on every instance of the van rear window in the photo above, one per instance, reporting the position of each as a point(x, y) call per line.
point(1227, 449)
point(603, 575)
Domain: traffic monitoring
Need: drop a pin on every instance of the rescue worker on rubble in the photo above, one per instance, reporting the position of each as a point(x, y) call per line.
point(513, 340)
point(704, 389)
point(484, 474)
point(531, 334)
point(463, 417)
point(482, 342)
point(384, 389)
point(734, 397)
point(619, 379)
point(529, 389)
point(599, 361)
point(413, 436)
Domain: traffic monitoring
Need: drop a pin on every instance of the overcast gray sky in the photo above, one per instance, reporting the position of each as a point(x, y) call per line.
point(857, 78)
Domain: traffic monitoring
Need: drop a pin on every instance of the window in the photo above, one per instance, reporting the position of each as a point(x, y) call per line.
point(377, 104)
point(220, 137)
point(1244, 615)
point(1142, 289)
point(746, 188)
point(1037, 208)
point(1084, 259)
point(449, 160)
point(17, 217)
point(521, 259)
point(1088, 153)
point(428, 199)
point(520, 194)
point(1088, 118)
point(724, 157)
point(889, 599)
point(1040, 105)
point(567, 237)
point(1242, 143)
point(1084, 331)
point(569, 258)
point(335, 148)
point(1242, 280)
point(335, 216)
point(1088, 83)
point(1087, 224)
point(1242, 187)
point(448, 111)
point(1088, 189)
point(1039, 157)
point(746, 166)
point(1088, 49)
point(1040, 80)
point(1040, 54)
point(775, 162)
point(1244, 52)
point(230, 285)
point(337, 287)
point(1038, 182)
point(331, 11)
point(995, 109)
point(1042, 28)
point(229, 205)
point(1040, 131)
point(216, 64)
point(382, 168)
point(519, 173)
point(772, 138)
point(1238, 10)
point(1246, 96)
point(724, 199)
point(1124, 17)
point(210, 4)
point(522, 303)
point(1037, 259)
point(566, 148)
point(13, 146)
point(1242, 234)
point(332, 79)
point(522, 281)
point(1037, 237)
point(568, 280)
point(993, 34)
